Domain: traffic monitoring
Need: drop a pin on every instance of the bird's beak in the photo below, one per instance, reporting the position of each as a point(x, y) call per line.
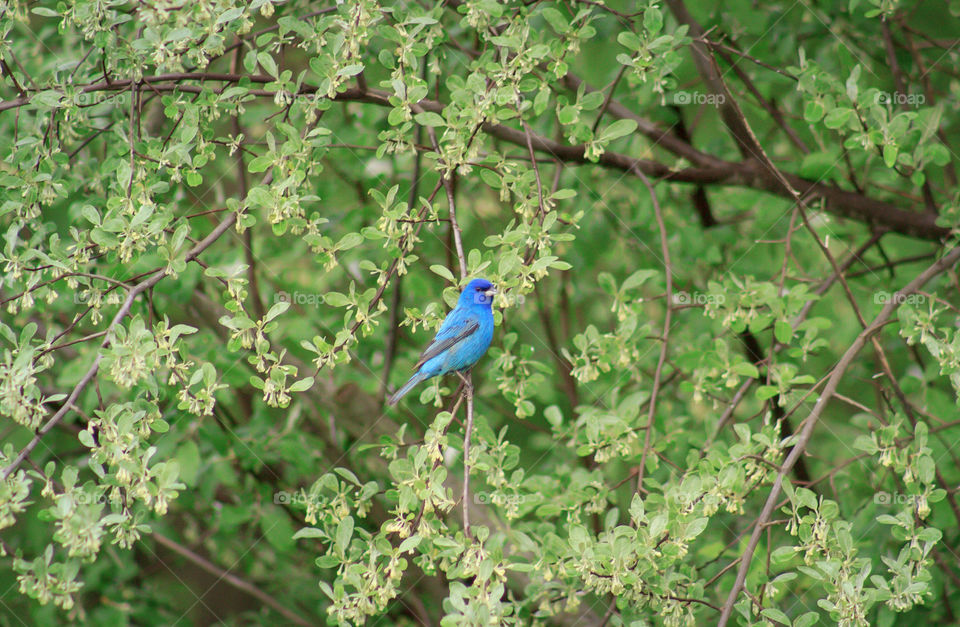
point(492, 291)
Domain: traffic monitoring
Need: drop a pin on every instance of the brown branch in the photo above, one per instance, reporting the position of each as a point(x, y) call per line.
point(664, 341)
point(707, 169)
point(707, 68)
point(467, 431)
point(258, 305)
point(804, 437)
point(764, 102)
point(132, 295)
point(229, 578)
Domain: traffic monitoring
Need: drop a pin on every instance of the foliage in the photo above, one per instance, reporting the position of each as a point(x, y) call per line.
point(726, 359)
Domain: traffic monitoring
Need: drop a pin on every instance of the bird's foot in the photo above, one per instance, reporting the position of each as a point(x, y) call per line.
point(467, 384)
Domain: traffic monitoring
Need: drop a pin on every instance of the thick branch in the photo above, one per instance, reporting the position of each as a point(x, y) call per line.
point(706, 171)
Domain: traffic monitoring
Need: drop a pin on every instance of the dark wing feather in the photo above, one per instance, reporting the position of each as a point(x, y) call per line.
point(438, 345)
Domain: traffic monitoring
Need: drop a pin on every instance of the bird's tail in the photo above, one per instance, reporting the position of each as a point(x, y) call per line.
point(409, 385)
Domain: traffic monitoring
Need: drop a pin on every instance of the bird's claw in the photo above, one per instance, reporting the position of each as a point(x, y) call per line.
point(467, 384)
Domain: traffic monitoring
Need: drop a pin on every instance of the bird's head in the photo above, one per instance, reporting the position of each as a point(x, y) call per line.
point(478, 292)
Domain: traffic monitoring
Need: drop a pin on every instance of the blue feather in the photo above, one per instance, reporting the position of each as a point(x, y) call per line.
point(462, 340)
point(409, 385)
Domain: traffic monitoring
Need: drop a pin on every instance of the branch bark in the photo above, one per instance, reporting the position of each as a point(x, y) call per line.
point(707, 170)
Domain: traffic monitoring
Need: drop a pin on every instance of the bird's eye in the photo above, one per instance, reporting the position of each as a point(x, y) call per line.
point(479, 289)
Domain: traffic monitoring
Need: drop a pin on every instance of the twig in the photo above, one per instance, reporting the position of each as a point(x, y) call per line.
point(468, 378)
point(230, 578)
point(452, 204)
point(259, 308)
point(468, 429)
point(668, 267)
point(117, 319)
point(608, 99)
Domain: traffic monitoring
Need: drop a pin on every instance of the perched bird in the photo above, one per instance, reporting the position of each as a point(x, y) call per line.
point(462, 340)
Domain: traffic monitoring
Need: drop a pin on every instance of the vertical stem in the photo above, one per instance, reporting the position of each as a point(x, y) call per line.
point(468, 429)
point(665, 336)
point(447, 181)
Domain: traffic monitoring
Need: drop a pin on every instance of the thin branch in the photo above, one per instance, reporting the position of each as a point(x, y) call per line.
point(229, 578)
point(467, 431)
point(452, 204)
point(811, 421)
point(132, 295)
point(668, 268)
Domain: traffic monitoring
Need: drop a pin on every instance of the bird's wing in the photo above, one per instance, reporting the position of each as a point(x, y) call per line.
point(453, 331)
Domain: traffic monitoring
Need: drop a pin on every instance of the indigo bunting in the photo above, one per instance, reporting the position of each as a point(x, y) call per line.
point(462, 340)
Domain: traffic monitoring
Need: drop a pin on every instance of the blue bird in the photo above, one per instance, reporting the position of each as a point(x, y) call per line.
point(462, 340)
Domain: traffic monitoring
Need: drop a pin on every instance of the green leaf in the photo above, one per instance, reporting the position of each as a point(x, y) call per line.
point(344, 533)
point(637, 279)
point(620, 128)
point(261, 163)
point(444, 272)
point(767, 391)
point(350, 240)
point(429, 118)
point(188, 454)
point(783, 331)
point(813, 112)
point(229, 15)
point(49, 98)
point(409, 544)
point(652, 20)
point(628, 39)
point(308, 532)
point(746, 369)
point(567, 115)
point(837, 118)
point(782, 555)
point(277, 309)
point(302, 385)
point(268, 63)
point(890, 155)
point(277, 528)
point(556, 20)
point(350, 70)
point(777, 615)
point(336, 299)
